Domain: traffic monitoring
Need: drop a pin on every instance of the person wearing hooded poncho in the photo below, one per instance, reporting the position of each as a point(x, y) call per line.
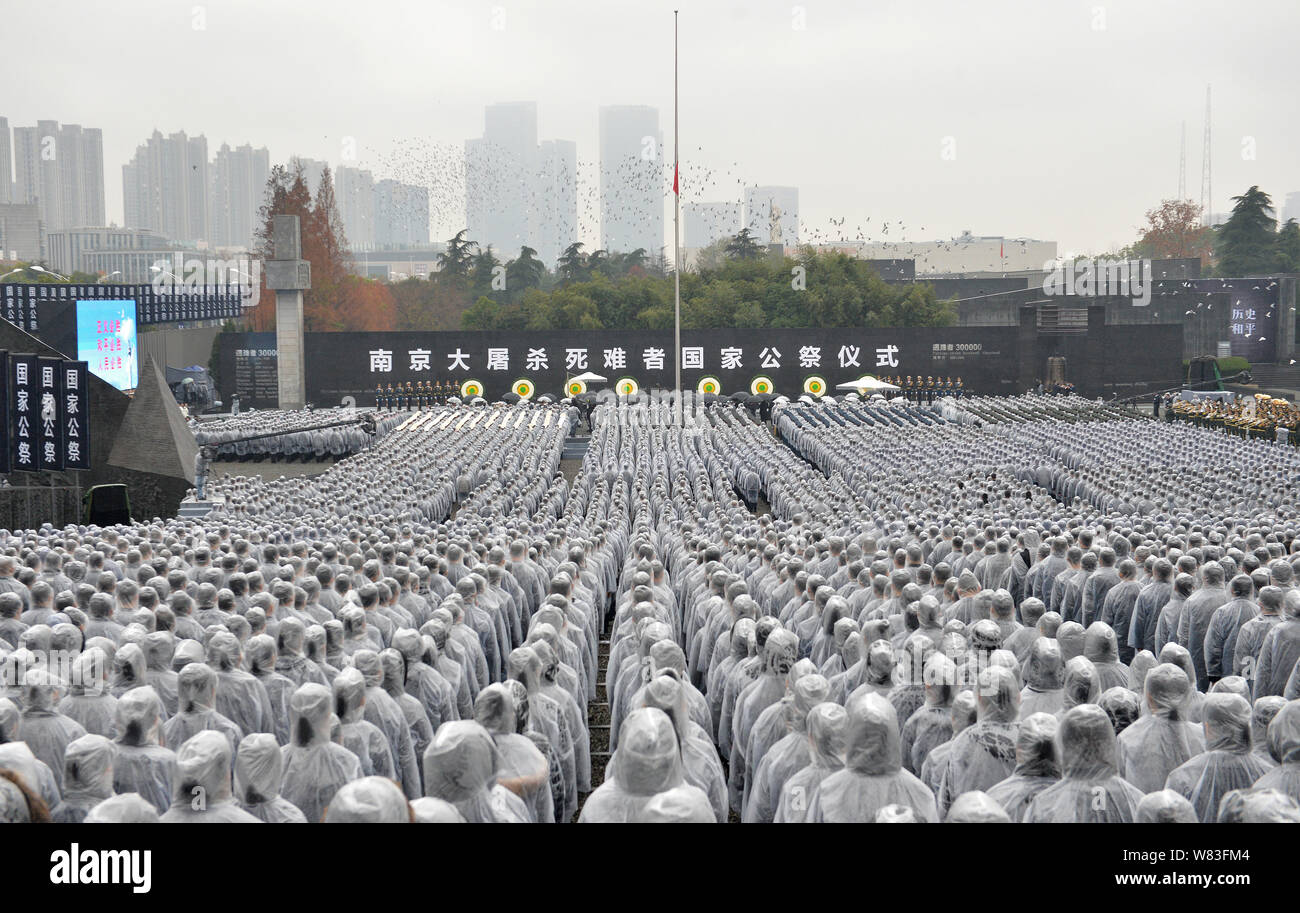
point(1284, 746)
point(141, 764)
point(984, 754)
point(460, 768)
point(314, 766)
point(1226, 764)
point(1090, 790)
point(197, 688)
point(646, 767)
point(45, 730)
point(1038, 766)
point(1044, 690)
point(202, 784)
point(259, 768)
point(522, 769)
point(827, 725)
point(87, 778)
point(873, 775)
point(789, 755)
point(1162, 739)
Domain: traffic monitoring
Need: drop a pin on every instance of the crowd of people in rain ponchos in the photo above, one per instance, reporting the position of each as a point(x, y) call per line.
point(1071, 617)
point(284, 436)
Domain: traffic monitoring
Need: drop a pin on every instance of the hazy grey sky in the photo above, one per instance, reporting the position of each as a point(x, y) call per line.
point(1065, 114)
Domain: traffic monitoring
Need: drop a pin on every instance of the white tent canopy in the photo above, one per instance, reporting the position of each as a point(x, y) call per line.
point(866, 382)
point(589, 377)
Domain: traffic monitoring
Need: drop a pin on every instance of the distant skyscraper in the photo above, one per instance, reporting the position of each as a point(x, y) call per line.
point(312, 169)
point(6, 163)
point(62, 170)
point(758, 213)
point(1291, 208)
point(401, 215)
point(165, 187)
point(355, 191)
point(239, 179)
point(631, 179)
point(519, 192)
point(709, 222)
point(555, 211)
point(499, 176)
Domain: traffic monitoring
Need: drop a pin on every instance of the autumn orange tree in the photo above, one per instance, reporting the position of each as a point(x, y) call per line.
point(338, 300)
point(1174, 230)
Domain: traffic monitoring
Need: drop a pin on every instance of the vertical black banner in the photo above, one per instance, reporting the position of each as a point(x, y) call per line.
point(74, 400)
point(23, 412)
point(4, 398)
point(49, 454)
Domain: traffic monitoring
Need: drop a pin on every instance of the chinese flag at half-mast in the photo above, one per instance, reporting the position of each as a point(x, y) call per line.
point(675, 190)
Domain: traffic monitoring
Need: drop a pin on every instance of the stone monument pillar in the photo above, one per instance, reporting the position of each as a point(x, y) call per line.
point(288, 275)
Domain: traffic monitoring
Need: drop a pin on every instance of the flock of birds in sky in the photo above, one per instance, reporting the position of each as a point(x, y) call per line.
point(560, 202)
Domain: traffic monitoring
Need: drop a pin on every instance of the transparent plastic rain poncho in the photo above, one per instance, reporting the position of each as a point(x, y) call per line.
point(314, 767)
point(962, 714)
point(522, 769)
point(701, 766)
point(873, 774)
point(370, 800)
point(789, 755)
point(259, 767)
point(386, 713)
point(1081, 684)
point(260, 661)
point(36, 775)
point(984, 754)
point(1284, 745)
point(1258, 806)
point(141, 763)
point(1101, 646)
point(130, 670)
point(547, 716)
point(241, 698)
point(779, 656)
point(1091, 790)
point(88, 701)
point(1038, 765)
point(1165, 806)
point(647, 765)
point(428, 810)
point(197, 690)
point(460, 768)
point(201, 791)
point(931, 725)
point(827, 728)
point(87, 778)
point(360, 736)
point(1122, 706)
point(976, 807)
point(1162, 739)
point(1044, 679)
point(1262, 713)
point(1227, 762)
point(46, 731)
point(124, 808)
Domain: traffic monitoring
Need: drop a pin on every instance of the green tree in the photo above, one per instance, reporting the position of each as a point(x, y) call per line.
point(1288, 247)
point(458, 257)
point(572, 264)
point(1245, 245)
point(524, 272)
point(743, 246)
point(483, 266)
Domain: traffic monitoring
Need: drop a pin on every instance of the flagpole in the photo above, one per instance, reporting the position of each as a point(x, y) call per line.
point(677, 249)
